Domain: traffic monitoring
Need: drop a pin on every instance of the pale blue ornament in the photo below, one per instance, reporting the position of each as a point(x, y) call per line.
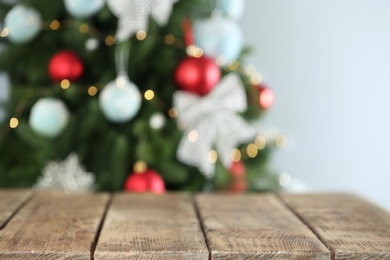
point(220, 38)
point(120, 100)
point(83, 8)
point(23, 23)
point(49, 116)
point(231, 8)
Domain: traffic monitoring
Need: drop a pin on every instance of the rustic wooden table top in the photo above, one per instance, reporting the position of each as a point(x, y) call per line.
point(55, 225)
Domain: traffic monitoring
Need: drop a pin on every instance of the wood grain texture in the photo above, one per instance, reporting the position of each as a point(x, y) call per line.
point(147, 226)
point(10, 201)
point(255, 227)
point(351, 227)
point(54, 225)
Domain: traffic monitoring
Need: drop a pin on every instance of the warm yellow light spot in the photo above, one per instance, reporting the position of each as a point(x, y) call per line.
point(55, 25)
point(193, 136)
point(249, 69)
point(110, 40)
point(251, 150)
point(84, 28)
point(234, 65)
point(14, 122)
point(169, 39)
point(256, 79)
point(149, 94)
point(194, 51)
point(92, 91)
point(65, 84)
point(141, 35)
point(261, 142)
point(281, 141)
point(172, 112)
point(4, 33)
point(212, 156)
point(236, 155)
point(140, 167)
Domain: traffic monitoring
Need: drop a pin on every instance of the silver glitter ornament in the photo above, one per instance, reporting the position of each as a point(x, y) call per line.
point(133, 15)
point(212, 122)
point(67, 175)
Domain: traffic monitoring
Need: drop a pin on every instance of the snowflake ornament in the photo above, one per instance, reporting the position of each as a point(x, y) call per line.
point(67, 175)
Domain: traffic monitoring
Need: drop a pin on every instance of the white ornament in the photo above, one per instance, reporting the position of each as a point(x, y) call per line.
point(120, 100)
point(67, 175)
point(49, 116)
point(157, 121)
point(212, 122)
point(23, 23)
point(133, 15)
point(92, 44)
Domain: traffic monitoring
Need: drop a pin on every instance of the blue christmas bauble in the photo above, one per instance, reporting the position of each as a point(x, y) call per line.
point(49, 116)
point(23, 23)
point(83, 8)
point(219, 38)
point(231, 8)
point(120, 101)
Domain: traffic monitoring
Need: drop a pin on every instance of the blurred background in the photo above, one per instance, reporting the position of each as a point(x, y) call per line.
point(329, 65)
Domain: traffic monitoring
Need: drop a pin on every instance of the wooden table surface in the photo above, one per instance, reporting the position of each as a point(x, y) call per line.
point(55, 225)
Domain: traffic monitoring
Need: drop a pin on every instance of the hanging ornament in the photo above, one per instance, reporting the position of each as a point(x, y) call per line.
point(212, 122)
point(238, 177)
point(266, 97)
point(197, 75)
point(48, 116)
point(23, 23)
point(157, 121)
point(146, 181)
point(233, 9)
point(220, 38)
point(120, 99)
point(67, 175)
point(133, 15)
point(65, 65)
point(83, 8)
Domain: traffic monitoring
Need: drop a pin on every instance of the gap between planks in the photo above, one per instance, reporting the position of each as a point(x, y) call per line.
point(100, 227)
point(333, 254)
point(197, 212)
point(23, 203)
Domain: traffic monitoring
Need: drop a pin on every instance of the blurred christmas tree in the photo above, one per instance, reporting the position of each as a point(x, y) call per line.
point(131, 85)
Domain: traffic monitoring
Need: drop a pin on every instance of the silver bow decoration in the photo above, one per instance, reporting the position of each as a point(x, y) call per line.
point(133, 15)
point(216, 122)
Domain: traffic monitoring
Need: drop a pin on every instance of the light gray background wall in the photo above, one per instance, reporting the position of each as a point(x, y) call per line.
point(329, 65)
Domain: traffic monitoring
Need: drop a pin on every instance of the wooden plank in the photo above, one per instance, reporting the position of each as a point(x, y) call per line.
point(351, 227)
point(10, 202)
point(54, 225)
point(255, 226)
point(147, 226)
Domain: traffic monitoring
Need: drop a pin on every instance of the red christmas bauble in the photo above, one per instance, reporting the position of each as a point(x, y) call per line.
point(238, 177)
point(65, 65)
point(197, 75)
point(147, 181)
point(237, 170)
point(266, 97)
